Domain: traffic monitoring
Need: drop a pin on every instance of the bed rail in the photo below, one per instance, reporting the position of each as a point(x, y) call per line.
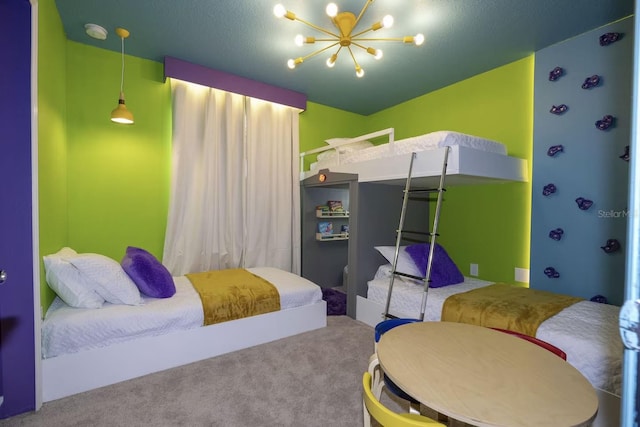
point(389, 132)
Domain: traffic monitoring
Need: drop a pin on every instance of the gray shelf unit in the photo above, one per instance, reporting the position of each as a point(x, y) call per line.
point(374, 214)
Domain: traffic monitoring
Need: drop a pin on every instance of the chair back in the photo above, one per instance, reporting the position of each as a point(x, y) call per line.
point(547, 346)
point(385, 416)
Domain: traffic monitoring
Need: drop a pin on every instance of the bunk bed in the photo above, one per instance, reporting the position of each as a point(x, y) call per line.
point(472, 160)
point(88, 348)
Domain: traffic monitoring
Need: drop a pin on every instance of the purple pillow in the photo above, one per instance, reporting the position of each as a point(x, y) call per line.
point(444, 271)
point(150, 276)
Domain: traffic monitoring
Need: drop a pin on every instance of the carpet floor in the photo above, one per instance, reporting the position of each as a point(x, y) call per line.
point(307, 380)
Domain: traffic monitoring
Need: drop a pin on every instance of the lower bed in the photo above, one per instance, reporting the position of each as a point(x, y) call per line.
point(84, 349)
point(586, 331)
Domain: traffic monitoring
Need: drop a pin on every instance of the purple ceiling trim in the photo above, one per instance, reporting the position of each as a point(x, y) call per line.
point(199, 74)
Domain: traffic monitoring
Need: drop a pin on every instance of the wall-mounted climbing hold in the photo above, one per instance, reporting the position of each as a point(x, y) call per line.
point(584, 204)
point(551, 273)
point(556, 234)
point(625, 156)
point(556, 73)
point(611, 246)
point(607, 38)
point(606, 122)
point(549, 189)
point(559, 109)
point(591, 82)
point(554, 149)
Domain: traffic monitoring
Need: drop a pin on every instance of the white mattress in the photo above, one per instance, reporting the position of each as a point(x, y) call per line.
point(586, 331)
point(420, 143)
point(68, 330)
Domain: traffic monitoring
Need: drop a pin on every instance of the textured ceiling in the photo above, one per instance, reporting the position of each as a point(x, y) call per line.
point(243, 37)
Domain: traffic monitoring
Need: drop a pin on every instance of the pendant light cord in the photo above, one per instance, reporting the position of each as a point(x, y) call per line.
point(122, 55)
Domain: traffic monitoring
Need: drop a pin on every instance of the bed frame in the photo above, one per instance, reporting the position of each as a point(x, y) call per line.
point(465, 165)
point(79, 372)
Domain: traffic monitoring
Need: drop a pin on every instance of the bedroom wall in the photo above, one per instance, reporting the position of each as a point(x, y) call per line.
point(589, 165)
point(118, 176)
point(488, 224)
point(52, 142)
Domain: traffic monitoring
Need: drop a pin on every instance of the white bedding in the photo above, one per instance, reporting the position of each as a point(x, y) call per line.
point(68, 330)
point(586, 331)
point(424, 142)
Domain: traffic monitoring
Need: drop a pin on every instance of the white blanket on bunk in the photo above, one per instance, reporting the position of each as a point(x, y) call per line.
point(67, 329)
point(429, 141)
point(586, 331)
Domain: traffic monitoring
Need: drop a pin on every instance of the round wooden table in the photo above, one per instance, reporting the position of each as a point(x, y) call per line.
point(485, 377)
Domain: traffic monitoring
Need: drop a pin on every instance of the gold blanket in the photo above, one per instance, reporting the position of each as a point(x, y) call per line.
point(234, 294)
point(506, 307)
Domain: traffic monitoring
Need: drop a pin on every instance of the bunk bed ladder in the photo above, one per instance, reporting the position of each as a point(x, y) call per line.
point(431, 235)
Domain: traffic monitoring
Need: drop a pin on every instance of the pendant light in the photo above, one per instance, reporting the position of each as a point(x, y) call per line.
point(120, 114)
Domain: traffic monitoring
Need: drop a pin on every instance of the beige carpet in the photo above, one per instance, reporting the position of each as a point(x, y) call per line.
point(312, 379)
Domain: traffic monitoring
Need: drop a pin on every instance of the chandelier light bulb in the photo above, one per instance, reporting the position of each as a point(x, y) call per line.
point(279, 10)
point(291, 64)
point(299, 40)
point(418, 39)
point(359, 71)
point(332, 10)
point(378, 54)
point(387, 21)
point(331, 61)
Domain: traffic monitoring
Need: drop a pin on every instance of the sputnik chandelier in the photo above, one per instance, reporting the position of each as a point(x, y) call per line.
point(346, 37)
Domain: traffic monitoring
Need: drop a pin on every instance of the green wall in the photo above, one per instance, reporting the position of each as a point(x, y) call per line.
point(118, 175)
point(487, 224)
point(319, 122)
point(52, 143)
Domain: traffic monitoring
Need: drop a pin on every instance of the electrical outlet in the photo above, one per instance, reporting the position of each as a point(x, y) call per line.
point(522, 275)
point(473, 269)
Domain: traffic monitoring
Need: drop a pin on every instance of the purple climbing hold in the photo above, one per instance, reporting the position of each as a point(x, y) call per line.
point(625, 156)
point(583, 204)
point(549, 189)
point(559, 109)
point(599, 298)
point(555, 74)
point(551, 273)
point(554, 149)
point(590, 82)
point(608, 38)
point(611, 246)
point(605, 123)
point(556, 234)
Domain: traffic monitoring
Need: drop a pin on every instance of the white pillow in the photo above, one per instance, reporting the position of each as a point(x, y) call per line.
point(355, 146)
point(327, 155)
point(68, 283)
point(405, 262)
point(109, 279)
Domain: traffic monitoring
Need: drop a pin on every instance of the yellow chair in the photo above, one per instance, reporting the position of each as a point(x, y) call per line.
point(386, 417)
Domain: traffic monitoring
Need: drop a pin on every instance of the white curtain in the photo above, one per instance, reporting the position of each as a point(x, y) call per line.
point(233, 161)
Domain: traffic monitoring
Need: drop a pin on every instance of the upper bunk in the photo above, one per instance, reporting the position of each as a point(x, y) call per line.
point(471, 160)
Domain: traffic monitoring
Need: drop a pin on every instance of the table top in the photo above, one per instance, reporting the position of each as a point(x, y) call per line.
point(484, 377)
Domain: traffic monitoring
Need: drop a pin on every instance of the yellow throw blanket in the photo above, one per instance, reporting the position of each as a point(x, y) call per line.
point(234, 294)
point(506, 307)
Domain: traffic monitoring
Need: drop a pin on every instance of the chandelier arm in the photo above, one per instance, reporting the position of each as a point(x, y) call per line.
point(353, 43)
point(312, 54)
point(361, 33)
point(353, 57)
point(388, 39)
point(315, 27)
point(364, 9)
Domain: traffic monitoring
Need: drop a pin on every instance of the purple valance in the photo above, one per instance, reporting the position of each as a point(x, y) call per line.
point(201, 75)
